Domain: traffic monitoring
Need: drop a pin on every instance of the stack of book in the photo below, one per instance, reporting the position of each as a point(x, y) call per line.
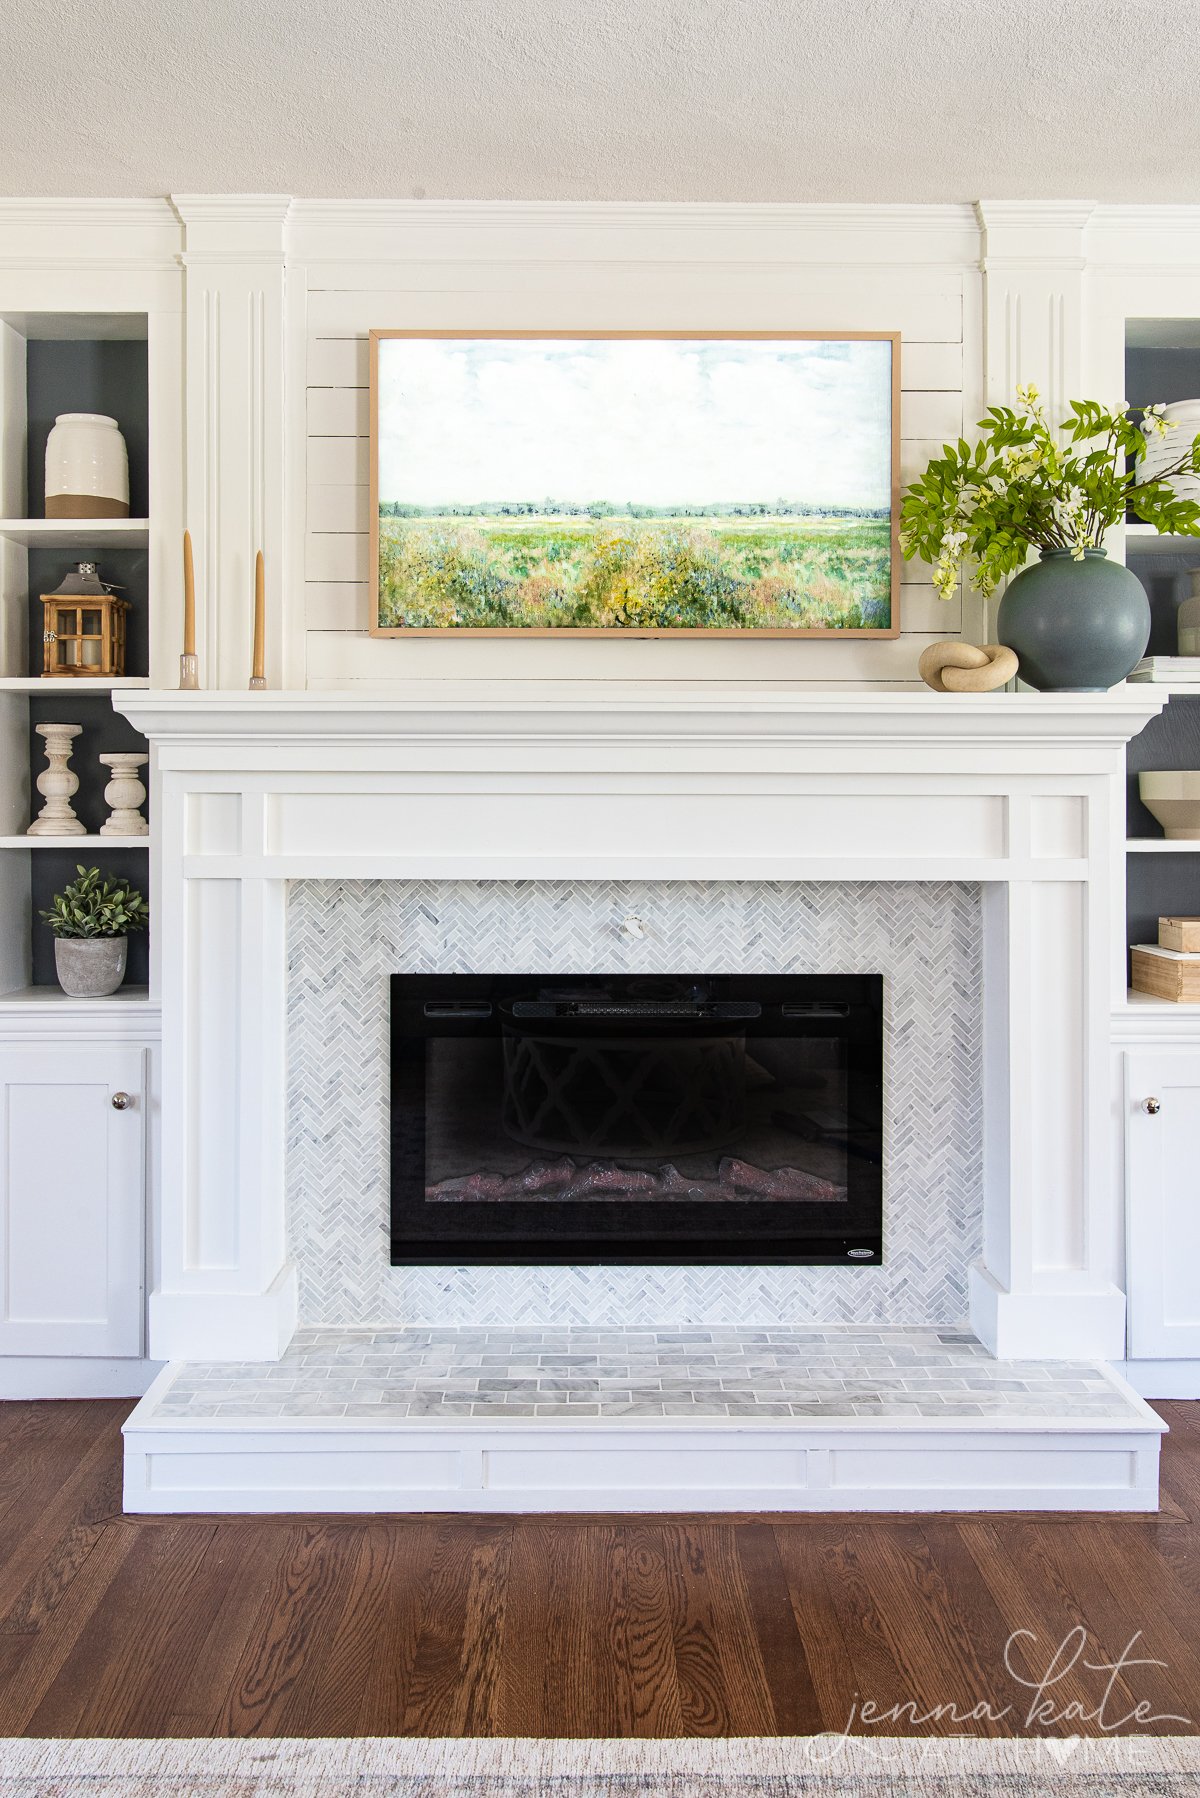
point(1181, 671)
point(1170, 968)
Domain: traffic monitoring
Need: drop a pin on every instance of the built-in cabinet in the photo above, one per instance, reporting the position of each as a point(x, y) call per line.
point(1162, 1181)
point(72, 1199)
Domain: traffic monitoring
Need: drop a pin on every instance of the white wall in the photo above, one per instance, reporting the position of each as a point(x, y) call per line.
point(911, 269)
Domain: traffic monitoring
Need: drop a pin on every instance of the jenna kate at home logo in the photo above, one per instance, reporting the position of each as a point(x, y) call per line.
point(1067, 1685)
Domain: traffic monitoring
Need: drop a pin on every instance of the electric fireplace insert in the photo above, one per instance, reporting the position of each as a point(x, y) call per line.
point(555, 1118)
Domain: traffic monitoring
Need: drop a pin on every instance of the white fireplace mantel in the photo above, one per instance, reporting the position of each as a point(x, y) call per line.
point(489, 780)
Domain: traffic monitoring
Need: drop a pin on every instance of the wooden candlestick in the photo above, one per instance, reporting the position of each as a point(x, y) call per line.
point(189, 668)
point(258, 669)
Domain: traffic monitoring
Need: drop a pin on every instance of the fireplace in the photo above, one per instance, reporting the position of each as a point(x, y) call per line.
point(636, 1119)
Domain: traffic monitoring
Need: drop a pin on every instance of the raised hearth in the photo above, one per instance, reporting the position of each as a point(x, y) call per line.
point(517, 1420)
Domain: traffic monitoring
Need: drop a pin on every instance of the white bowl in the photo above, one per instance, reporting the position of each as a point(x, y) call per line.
point(1172, 795)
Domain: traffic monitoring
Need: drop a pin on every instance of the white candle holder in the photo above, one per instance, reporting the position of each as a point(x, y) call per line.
point(125, 794)
point(57, 784)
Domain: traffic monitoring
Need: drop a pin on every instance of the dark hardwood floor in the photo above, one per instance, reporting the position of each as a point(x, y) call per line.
point(598, 1626)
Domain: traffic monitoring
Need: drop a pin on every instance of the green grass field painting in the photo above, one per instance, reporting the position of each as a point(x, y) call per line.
point(689, 428)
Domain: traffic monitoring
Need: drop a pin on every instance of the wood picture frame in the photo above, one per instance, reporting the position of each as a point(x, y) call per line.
point(489, 511)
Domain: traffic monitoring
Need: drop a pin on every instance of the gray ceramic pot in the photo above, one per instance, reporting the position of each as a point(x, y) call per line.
point(1076, 626)
point(90, 967)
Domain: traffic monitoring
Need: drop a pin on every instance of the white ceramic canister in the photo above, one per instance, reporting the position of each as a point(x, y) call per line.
point(87, 468)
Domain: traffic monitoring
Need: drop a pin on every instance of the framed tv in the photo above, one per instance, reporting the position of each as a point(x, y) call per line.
point(650, 484)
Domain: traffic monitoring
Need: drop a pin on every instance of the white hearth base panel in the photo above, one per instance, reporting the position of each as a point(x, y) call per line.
point(294, 1465)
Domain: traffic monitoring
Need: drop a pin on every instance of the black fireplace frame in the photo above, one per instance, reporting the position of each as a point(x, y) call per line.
point(742, 1233)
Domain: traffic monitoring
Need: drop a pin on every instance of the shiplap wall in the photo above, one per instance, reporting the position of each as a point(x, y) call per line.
point(721, 277)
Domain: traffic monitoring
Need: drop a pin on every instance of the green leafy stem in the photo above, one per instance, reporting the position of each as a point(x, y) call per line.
point(1024, 486)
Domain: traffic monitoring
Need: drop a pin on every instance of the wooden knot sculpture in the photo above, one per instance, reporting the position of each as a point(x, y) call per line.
point(956, 667)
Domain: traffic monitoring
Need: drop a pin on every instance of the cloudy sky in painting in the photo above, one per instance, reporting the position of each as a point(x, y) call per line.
point(657, 421)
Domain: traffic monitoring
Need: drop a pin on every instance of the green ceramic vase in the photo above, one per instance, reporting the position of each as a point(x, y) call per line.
point(1076, 626)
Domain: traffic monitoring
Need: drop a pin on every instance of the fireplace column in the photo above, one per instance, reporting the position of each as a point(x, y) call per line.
point(225, 1286)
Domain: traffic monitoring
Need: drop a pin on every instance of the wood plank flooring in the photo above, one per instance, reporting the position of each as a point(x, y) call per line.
point(605, 1626)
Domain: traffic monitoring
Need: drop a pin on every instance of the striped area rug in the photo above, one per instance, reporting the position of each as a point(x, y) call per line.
point(770, 1767)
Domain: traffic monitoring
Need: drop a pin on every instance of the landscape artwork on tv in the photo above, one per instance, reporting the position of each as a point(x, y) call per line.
point(602, 483)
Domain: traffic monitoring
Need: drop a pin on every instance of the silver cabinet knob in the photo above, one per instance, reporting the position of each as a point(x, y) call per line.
point(121, 1101)
point(1152, 1106)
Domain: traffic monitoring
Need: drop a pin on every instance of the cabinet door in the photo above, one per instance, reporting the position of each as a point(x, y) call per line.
point(72, 1178)
point(1162, 1202)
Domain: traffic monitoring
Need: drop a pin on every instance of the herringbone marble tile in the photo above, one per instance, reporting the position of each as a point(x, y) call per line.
point(346, 937)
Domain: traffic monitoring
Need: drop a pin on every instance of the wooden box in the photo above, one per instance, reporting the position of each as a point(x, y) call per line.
point(1181, 934)
point(1166, 974)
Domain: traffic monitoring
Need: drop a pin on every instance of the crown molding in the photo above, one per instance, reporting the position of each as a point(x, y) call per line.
point(1183, 217)
point(1025, 215)
point(646, 215)
point(60, 213)
point(231, 209)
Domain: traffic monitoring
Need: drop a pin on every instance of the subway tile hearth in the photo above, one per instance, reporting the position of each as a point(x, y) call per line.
point(925, 1375)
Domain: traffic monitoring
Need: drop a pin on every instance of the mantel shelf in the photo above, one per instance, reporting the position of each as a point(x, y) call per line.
point(73, 533)
point(634, 714)
point(1162, 846)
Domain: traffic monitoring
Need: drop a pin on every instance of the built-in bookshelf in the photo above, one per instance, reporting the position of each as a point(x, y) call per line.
point(52, 363)
point(1162, 363)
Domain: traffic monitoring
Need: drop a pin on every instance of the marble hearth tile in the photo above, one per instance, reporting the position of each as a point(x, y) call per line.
point(450, 1380)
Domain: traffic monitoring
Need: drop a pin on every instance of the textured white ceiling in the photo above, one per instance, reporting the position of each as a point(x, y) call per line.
point(604, 99)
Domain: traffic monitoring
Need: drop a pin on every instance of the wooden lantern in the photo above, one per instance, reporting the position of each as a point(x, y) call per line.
point(84, 634)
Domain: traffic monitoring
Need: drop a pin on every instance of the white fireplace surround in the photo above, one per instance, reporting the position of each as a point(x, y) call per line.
point(483, 780)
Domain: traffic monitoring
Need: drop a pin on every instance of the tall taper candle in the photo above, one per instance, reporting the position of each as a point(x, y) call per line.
point(189, 668)
point(189, 597)
point(258, 672)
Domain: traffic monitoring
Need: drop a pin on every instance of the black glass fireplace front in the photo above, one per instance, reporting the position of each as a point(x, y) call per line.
point(637, 1119)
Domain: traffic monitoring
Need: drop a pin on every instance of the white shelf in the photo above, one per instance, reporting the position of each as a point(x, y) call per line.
point(79, 842)
point(27, 998)
point(1162, 846)
point(76, 533)
point(66, 683)
point(1184, 689)
point(1145, 1004)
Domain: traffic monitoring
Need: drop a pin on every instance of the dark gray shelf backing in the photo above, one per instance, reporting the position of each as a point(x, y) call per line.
point(53, 869)
point(1165, 579)
point(1152, 376)
point(1172, 740)
point(103, 730)
point(128, 569)
point(1159, 886)
point(88, 377)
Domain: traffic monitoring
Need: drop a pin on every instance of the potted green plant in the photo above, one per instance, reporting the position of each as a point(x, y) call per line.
point(1075, 619)
point(91, 920)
